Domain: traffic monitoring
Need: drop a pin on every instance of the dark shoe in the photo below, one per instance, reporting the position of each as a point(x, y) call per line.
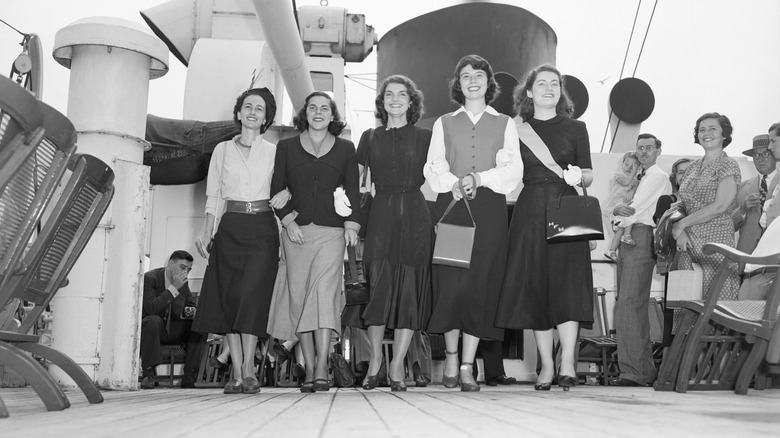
point(450, 381)
point(622, 381)
point(215, 363)
point(234, 387)
point(321, 385)
point(542, 386)
point(307, 387)
point(188, 381)
point(297, 371)
point(251, 385)
point(501, 380)
point(467, 382)
point(397, 386)
point(282, 354)
point(381, 376)
point(147, 382)
point(566, 382)
point(369, 382)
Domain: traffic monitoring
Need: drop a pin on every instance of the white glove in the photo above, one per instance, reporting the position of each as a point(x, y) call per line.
point(572, 175)
point(341, 202)
point(504, 157)
point(440, 166)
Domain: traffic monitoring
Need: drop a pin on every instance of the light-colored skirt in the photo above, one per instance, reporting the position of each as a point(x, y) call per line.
point(308, 293)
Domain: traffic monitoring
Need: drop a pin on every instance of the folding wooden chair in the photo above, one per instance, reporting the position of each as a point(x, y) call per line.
point(71, 223)
point(721, 343)
point(599, 345)
point(28, 193)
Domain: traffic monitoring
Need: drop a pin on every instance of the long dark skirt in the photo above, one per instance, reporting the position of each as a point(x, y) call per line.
point(467, 299)
point(239, 280)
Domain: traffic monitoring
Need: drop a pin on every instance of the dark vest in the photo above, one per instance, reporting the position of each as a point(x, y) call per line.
point(472, 148)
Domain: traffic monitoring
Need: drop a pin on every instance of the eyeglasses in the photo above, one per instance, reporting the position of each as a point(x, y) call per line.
point(762, 155)
point(646, 148)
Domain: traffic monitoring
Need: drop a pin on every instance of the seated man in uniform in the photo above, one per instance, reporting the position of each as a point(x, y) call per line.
point(168, 309)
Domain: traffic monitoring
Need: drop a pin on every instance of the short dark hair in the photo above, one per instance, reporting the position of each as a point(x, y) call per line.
point(477, 63)
point(524, 105)
point(180, 255)
point(646, 135)
point(415, 111)
point(723, 121)
point(775, 128)
point(335, 127)
point(270, 106)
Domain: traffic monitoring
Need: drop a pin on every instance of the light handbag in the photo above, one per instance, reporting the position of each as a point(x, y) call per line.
point(356, 291)
point(454, 243)
point(685, 284)
point(574, 219)
point(569, 218)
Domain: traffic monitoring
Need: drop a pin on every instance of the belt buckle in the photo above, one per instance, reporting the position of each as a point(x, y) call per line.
point(248, 207)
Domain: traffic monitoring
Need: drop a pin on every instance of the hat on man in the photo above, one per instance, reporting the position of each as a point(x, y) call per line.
point(760, 144)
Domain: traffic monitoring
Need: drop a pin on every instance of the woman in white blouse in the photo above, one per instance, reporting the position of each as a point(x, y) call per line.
point(478, 147)
point(241, 238)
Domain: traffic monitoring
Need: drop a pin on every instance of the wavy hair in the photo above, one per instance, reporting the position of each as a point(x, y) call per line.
point(270, 106)
point(415, 111)
point(723, 121)
point(477, 63)
point(335, 127)
point(524, 105)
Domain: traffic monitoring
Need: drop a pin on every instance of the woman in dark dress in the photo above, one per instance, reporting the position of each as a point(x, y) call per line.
point(478, 147)
point(239, 279)
point(397, 255)
point(675, 176)
point(548, 285)
point(311, 166)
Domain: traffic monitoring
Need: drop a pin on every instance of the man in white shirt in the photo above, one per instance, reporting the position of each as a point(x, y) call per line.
point(635, 269)
point(757, 278)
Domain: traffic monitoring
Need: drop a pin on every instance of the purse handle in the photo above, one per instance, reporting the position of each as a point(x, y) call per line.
point(465, 199)
point(368, 156)
point(352, 260)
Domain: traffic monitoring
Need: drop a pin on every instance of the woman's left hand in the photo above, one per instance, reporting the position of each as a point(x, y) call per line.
point(683, 242)
point(350, 236)
point(280, 199)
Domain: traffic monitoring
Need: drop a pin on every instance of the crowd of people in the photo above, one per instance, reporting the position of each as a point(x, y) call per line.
point(261, 282)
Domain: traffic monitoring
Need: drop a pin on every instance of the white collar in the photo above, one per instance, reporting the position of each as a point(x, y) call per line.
point(488, 109)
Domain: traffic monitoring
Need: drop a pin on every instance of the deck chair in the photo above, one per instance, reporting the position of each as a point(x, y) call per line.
point(599, 345)
point(721, 343)
point(28, 193)
point(21, 130)
point(69, 227)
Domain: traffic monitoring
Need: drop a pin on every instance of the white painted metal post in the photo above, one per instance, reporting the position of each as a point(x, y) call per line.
point(97, 316)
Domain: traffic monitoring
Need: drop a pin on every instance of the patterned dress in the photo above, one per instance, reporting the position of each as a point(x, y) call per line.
point(698, 190)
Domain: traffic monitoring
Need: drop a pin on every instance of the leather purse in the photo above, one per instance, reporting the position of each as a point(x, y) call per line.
point(454, 243)
point(365, 197)
point(664, 242)
point(574, 219)
point(356, 291)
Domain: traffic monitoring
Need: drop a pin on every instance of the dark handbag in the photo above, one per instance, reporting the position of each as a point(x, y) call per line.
point(454, 243)
point(355, 288)
point(574, 219)
point(343, 377)
point(365, 197)
point(665, 243)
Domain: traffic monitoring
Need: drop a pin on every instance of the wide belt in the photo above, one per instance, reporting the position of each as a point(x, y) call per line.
point(759, 271)
point(247, 207)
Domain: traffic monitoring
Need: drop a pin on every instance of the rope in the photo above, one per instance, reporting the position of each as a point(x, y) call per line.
point(625, 58)
point(645, 38)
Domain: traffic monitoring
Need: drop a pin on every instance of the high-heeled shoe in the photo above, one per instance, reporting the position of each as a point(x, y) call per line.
point(370, 382)
point(542, 386)
point(467, 382)
point(567, 382)
point(450, 381)
point(397, 385)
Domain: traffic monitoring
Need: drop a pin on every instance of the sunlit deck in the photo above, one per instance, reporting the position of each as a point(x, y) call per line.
point(515, 410)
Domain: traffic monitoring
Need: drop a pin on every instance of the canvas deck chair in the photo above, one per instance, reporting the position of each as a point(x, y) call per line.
point(721, 343)
point(71, 223)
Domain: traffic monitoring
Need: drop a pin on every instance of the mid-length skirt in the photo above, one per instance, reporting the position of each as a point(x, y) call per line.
point(467, 299)
point(308, 294)
point(239, 280)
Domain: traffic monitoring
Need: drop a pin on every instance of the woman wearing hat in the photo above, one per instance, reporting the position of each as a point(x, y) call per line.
point(708, 195)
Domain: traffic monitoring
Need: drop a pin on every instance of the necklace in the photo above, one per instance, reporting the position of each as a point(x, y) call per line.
point(237, 139)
